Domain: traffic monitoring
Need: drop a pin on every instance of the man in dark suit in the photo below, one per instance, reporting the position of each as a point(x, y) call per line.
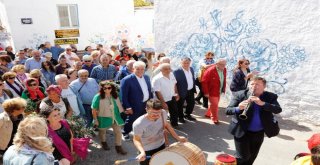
point(135, 91)
point(248, 133)
point(186, 89)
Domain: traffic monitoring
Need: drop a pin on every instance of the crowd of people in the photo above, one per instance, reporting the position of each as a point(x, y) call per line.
point(124, 90)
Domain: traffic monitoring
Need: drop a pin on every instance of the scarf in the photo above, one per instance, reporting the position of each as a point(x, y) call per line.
point(19, 92)
point(34, 94)
point(21, 78)
point(59, 143)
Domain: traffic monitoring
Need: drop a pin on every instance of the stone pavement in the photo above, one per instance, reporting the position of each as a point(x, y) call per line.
point(214, 139)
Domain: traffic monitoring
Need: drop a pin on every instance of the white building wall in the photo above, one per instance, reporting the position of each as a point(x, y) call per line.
point(281, 39)
point(100, 21)
point(5, 31)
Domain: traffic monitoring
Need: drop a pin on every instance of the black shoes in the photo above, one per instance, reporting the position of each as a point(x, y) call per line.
point(105, 146)
point(182, 120)
point(189, 117)
point(120, 150)
point(174, 125)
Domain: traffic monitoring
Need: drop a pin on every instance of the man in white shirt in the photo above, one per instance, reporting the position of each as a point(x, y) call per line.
point(186, 89)
point(63, 82)
point(70, 56)
point(135, 91)
point(164, 85)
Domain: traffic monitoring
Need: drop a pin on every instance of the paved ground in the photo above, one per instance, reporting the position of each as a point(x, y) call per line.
point(214, 139)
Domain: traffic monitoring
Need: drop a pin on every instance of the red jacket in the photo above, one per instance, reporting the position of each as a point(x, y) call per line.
point(211, 81)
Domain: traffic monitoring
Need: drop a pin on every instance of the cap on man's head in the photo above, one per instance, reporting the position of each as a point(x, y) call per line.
point(314, 141)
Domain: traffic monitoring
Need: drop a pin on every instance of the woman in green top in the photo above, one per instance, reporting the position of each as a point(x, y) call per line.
point(33, 94)
point(106, 109)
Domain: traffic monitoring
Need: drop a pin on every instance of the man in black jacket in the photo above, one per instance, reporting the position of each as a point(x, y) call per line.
point(258, 106)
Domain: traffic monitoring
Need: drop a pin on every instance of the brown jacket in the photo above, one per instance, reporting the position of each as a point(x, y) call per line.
point(6, 127)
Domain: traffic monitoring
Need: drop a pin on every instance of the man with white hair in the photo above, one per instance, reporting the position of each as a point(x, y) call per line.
point(214, 84)
point(34, 62)
point(70, 56)
point(125, 71)
point(164, 86)
point(86, 88)
point(186, 89)
point(69, 93)
point(162, 61)
point(135, 91)
point(48, 57)
point(88, 64)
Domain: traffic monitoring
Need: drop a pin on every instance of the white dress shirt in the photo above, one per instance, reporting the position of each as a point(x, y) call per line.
point(144, 87)
point(188, 75)
point(164, 85)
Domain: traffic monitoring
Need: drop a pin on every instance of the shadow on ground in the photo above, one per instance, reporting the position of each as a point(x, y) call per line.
point(211, 139)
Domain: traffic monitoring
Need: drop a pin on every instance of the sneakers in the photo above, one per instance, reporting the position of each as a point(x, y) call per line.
point(126, 137)
point(189, 117)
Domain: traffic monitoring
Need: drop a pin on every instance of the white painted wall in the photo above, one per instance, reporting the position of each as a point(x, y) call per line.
point(5, 33)
point(281, 39)
point(100, 21)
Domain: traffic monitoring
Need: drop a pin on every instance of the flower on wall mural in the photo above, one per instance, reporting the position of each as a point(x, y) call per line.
point(37, 40)
point(239, 38)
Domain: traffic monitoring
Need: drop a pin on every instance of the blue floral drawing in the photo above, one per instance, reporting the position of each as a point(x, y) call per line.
point(37, 40)
point(239, 38)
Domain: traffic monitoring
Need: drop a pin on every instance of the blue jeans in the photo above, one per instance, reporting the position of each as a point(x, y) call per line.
point(88, 115)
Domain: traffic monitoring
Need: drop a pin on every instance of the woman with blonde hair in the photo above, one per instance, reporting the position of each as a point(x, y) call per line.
point(95, 57)
point(31, 144)
point(21, 73)
point(36, 73)
point(13, 84)
point(9, 121)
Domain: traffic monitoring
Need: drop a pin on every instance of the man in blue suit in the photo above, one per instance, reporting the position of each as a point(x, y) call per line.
point(135, 91)
point(186, 89)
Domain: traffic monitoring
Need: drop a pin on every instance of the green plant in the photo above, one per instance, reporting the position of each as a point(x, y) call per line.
point(78, 127)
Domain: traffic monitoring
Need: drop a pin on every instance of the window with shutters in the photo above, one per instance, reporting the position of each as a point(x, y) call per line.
point(68, 16)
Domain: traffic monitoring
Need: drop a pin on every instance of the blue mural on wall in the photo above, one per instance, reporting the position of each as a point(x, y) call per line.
point(36, 40)
point(239, 38)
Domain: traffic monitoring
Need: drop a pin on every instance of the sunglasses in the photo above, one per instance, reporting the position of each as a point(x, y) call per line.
point(109, 88)
point(246, 63)
point(33, 85)
point(87, 61)
point(12, 77)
